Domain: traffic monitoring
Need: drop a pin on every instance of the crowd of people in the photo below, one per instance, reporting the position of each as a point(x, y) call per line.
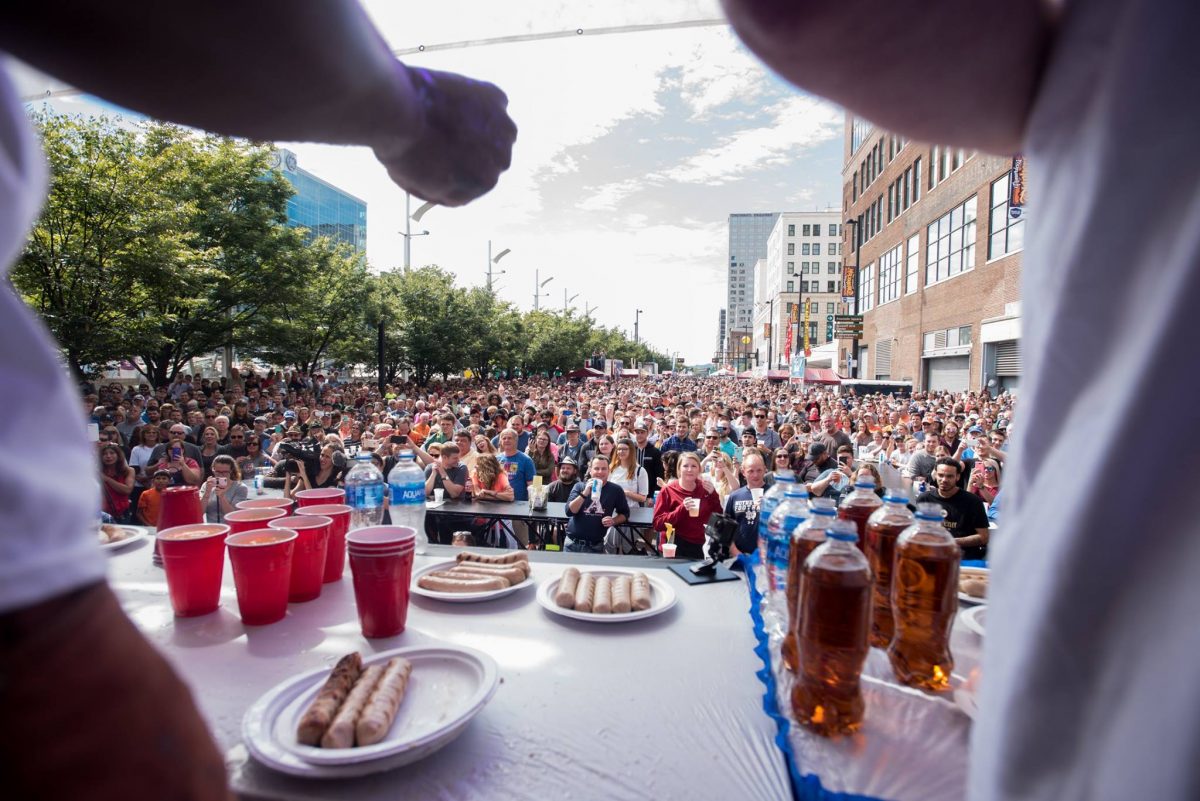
point(664, 443)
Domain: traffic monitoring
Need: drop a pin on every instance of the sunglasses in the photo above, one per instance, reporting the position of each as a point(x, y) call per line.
point(761, 416)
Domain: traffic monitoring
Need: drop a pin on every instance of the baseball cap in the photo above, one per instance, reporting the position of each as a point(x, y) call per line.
point(601, 424)
point(640, 425)
point(572, 426)
point(816, 449)
point(289, 414)
point(974, 430)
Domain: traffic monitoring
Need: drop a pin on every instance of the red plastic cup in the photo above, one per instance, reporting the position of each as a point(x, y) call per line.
point(308, 559)
point(241, 520)
point(314, 497)
point(381, 578)
point(180, 507)
point(335, 556)
point(262, 572)
point(194, 559)
point(267, 503)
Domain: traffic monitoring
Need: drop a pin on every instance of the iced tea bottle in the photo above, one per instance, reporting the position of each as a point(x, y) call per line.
point(924, 601)
point(858, 506)
point(884, 526)
point(805, 539)
point(833, 627)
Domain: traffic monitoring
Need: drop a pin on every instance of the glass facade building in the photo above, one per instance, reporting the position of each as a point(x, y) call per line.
point(321, 207)
point(748, 235)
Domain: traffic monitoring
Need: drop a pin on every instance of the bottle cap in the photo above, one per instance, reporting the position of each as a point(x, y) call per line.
point(930, 511)
point(894, 496)
point(363, 457)
point(865, 483)
point(842, 530)
point(786, 477)
point(795, 490)
point(823, 506)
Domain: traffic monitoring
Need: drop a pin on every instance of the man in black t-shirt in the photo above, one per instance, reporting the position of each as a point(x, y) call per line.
point(966, 519)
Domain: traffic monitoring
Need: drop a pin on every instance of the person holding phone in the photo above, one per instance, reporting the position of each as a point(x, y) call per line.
point(183, 468)
point(223, 490)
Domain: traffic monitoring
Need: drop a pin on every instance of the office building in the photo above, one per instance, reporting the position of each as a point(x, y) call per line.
point(941, 232)
point(748, 235)
point(321, 207)
point(802, 271)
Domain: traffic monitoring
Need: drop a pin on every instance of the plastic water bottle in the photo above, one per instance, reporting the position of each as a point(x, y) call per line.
point(770, 500)
point(790, 513)
point(364, 493)
point(407, 483)
point(258, 482)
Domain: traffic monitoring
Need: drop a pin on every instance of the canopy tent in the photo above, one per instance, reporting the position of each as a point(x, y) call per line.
point(821, 375)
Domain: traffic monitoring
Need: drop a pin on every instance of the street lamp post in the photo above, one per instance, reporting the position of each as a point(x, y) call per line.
point(587, 311)
point(494, 260)
point(854, 291)
point(537, 288)
point(567, 301)
point(408, 235)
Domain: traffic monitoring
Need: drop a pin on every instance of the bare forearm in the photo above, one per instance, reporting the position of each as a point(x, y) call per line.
point(938, 71)
point(270, 69)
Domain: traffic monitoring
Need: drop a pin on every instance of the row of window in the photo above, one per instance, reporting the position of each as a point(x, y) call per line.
point(814, 229)
point(814, 307)
point(831, 267)
point(904, 191)
point(814, 286)
point(949, 249)
point(814, 249)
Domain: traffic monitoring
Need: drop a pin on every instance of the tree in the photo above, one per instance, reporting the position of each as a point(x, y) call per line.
point(99, 229)
point(323, 312)
point(156, 244)
point(420, 310)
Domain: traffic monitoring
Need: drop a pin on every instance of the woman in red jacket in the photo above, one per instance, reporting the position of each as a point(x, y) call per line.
point(678, 500)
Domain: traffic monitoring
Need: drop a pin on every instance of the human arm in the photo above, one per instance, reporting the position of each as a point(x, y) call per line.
point(444, 137)
point(580, 493)
point(620, 512)
point(81, 650)
point(121, 486)
point(939, 53)
point(978, 521)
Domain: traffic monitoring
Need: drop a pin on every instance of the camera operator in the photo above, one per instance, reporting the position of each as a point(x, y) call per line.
point(301, 474)
point(223, 490)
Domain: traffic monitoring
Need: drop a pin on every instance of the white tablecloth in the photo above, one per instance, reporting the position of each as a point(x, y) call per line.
point(663, 708)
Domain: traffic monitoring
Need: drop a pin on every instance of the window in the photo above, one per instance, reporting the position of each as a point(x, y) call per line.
point(790, 306)
point(950, 243)
point(833, 229)
point(807, 229)
point(791, 230)
point(831, 267)
point(791, 287)
point(806, 249)
point(791, 268)
point(911, 282)
point(866, 289)
point(854, 186)
point(889, 275)
point(816, 251)
point(833, 286)
point(803, 286)
point(830, 308)
point(791, 249)
point(964, 335)
point(1007, 234)
point(916, 184)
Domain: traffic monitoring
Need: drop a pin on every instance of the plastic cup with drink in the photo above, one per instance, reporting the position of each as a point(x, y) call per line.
point(194, 559)
point(262, 571)
point(308, 557)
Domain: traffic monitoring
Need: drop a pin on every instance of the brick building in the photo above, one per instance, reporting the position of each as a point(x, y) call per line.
point(939, 283)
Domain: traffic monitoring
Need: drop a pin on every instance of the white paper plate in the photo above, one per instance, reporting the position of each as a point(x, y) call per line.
point(978, 571)
point(136, 534)
point(662, 598)
point(973, 618)
point(463, 597)
point(448, 687)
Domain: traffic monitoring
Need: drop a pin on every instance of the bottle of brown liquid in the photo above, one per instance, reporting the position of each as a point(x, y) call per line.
point(924, 601)
point(834, 624)
point(805, 539)
point(884, 526)
point(858, 506)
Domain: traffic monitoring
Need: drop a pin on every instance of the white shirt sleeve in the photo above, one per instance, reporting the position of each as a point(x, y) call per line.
point(48, 508)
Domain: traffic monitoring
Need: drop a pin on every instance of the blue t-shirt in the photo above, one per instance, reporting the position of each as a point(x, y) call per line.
point(522, 441)
point(585, 524)
point(521, 471)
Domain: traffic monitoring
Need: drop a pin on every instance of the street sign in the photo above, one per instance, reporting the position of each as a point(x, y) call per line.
point(848, 318)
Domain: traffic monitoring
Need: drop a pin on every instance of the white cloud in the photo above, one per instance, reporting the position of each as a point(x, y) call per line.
point(801, 123)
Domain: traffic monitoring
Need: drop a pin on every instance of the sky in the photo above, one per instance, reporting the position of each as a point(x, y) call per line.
point(633, 148)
